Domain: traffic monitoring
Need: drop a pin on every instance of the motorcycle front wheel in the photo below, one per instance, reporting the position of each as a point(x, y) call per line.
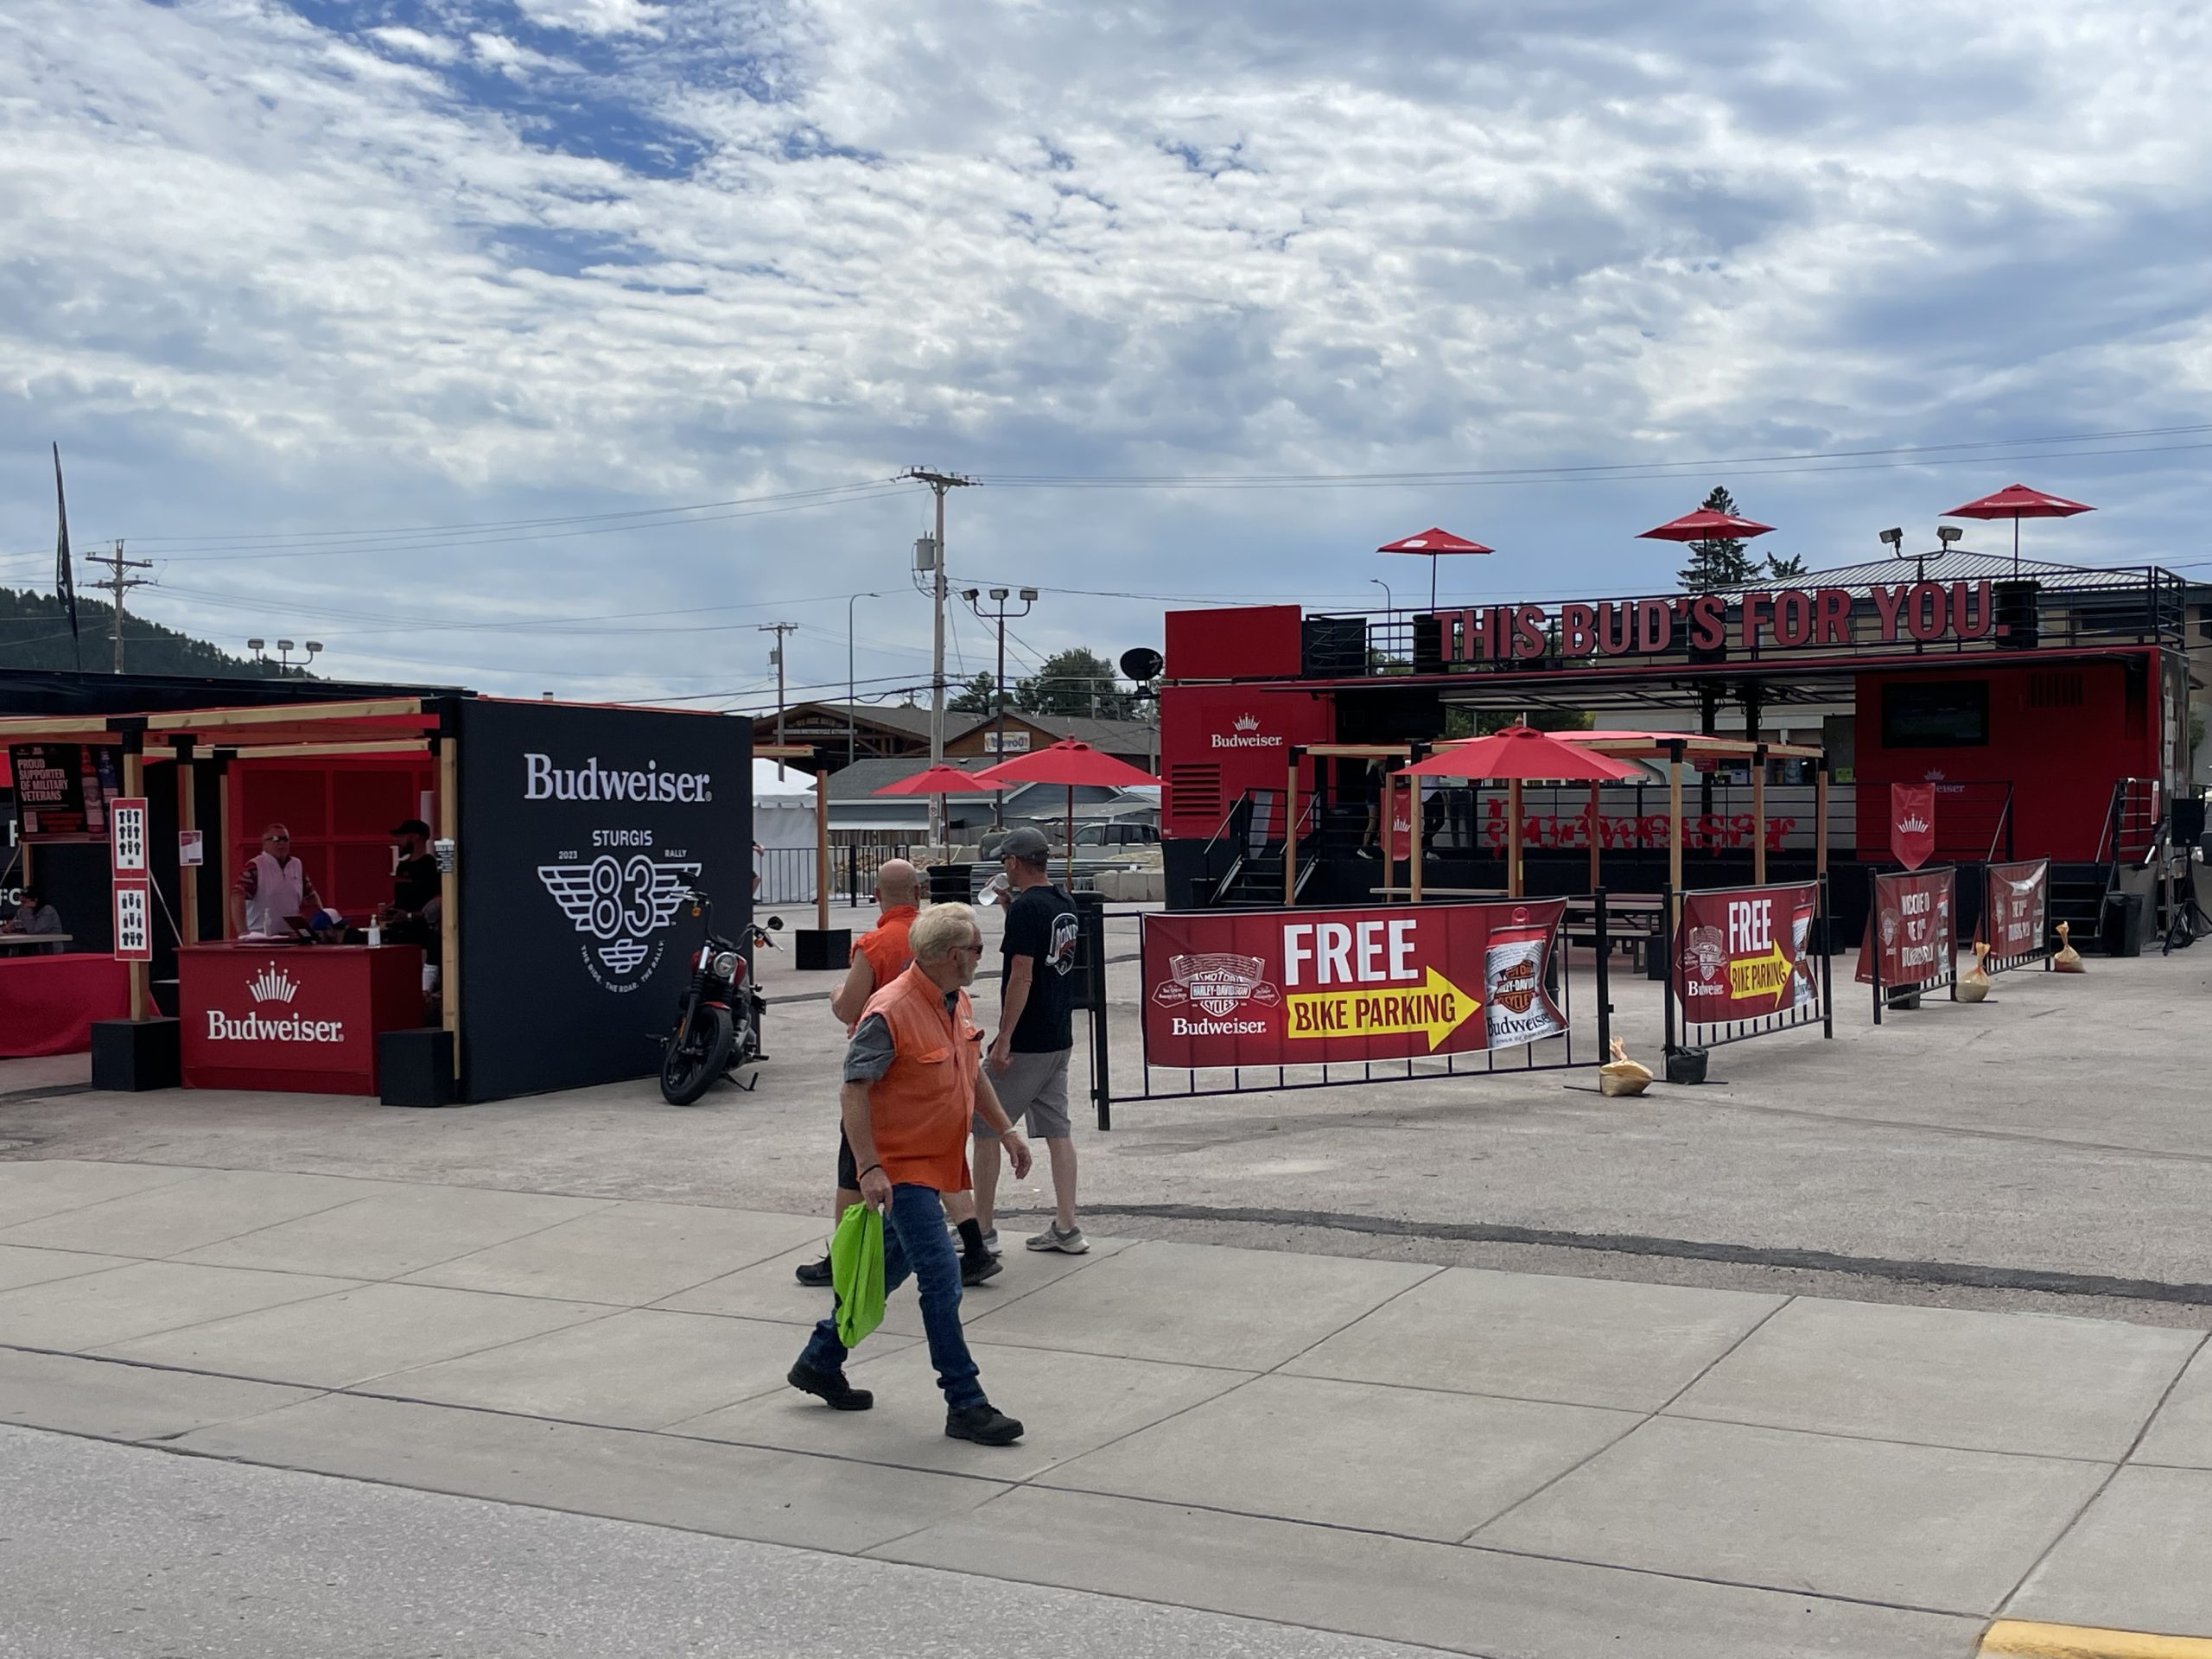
point(688, 1068)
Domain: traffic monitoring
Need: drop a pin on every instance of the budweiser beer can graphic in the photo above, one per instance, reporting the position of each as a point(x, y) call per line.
point(1514, 1002)
point(1803, 991)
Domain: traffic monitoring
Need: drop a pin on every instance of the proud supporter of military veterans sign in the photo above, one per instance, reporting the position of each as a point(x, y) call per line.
point(1306, 988)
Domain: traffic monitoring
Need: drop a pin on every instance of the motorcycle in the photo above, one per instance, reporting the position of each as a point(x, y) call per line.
point(718, 1018)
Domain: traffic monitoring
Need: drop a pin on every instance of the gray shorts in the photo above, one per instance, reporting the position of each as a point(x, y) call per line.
point(1036, 1084)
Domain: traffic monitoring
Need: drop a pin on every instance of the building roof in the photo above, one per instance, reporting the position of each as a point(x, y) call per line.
point(897, 717)
point(1111, 736)
point(1961, 565)
point(864, 777)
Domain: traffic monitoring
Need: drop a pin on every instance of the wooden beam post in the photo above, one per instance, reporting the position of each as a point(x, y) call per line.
point(187, 818)
point(1675, 822)
point(822, 849)
point(1595, 870)
point(1513, 838)
point(1821, 817)
point(1759, 812)
point(1413, 882)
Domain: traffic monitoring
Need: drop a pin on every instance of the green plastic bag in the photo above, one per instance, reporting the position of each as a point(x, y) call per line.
point(856, 1273)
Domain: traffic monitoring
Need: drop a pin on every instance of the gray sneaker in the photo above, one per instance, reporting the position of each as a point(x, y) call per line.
point(1072, 1242)
point(991, 1243)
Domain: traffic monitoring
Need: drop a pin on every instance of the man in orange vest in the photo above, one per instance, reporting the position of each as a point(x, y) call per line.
point(880, 955)
point(913, 1075)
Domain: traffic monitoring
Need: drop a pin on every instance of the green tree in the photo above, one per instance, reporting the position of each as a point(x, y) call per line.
point(34, 633)
point(975, 697)
point(1784, 568)
point(1721, 564)
point(1075, 681)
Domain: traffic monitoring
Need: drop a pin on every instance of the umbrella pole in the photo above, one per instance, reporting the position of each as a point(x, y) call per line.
point(1593, 835)
point(1759, 812)
point(1432, 580)
point(2015, 546)
point(1513, 838)
point(1071, 837)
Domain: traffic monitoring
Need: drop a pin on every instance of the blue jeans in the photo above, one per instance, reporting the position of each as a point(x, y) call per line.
point(915, 1241)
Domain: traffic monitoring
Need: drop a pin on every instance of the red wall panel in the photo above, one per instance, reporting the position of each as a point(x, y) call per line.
point(1258, 642)
point(341, 813)
point(1215, 742)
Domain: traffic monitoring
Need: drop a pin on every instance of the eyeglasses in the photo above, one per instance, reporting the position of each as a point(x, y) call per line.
point(975, 950)
point(275, 837)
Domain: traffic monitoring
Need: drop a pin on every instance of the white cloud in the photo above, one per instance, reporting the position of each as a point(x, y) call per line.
point(264, 275)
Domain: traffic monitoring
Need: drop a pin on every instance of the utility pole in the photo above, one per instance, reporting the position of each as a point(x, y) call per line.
point(779, 629)
point(999, 596)
point(938, 483)
point(118, 584)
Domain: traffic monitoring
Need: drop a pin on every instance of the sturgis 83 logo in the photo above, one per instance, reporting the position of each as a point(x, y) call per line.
point(623, 904)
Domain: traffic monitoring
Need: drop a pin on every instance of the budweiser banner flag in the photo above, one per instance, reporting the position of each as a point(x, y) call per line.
point(1912, 823)
point(1286, 988)
point(1913, 927)
point(1740, 954)
point(2015, 912)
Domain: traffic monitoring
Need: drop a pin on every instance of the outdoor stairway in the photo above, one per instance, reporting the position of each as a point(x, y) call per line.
point(2077, 898)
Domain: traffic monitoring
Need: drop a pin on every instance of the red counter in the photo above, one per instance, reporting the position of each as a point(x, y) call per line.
point(47, 1004)
point(298, 1017)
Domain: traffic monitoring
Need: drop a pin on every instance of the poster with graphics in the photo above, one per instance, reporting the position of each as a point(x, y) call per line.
point(2015, 912)
point(63, 789)
point(1304, 987)
point(1914, 926)
point(582, 830)
point(1740, 953)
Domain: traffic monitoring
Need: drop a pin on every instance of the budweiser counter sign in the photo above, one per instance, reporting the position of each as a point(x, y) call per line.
point(1740, 954)
point(1301, 987)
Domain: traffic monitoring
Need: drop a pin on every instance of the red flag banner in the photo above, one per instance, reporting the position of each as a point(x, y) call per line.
point(1309, 988)
point(2016, 912)
point(1912, 823)
point(1744, 953)
point(1914, 926)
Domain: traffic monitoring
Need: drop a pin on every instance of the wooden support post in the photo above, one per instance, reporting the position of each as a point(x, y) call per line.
point(134, 784)
point(1290, 836)
point(227, 860)
point(1412, 881)
point(1759, 812)
point(1513, 838)
point(1675, 829)
point(1820, 817)
point(822, 849)
point(449, 893)
point(1596, 874)
point(187, 818)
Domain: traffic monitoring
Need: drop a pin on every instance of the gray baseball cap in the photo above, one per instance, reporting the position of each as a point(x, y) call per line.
point(1024, 842)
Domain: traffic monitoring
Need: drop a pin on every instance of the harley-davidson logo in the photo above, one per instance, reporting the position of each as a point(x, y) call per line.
point(1706, 948)
point(1218, 982)
point(1516, 987)
point(1888, 928)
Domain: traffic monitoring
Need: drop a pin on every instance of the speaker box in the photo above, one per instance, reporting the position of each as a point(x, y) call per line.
point(2015, 603)
point(1406, 715)
point(415, 1067)
point(132, 1056)
point(1428, 644)
point(2188, 821)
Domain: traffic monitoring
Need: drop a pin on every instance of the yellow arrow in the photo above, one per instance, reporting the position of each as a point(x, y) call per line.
point(1434, 1008)
point(1759, 976)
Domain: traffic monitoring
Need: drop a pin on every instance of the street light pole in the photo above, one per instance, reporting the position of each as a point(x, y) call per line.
point(938, 483)
point(852, 717)
point(1388, 603)
point(999, 597)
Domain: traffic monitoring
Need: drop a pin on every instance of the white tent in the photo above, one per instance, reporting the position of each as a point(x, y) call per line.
point(783, 824)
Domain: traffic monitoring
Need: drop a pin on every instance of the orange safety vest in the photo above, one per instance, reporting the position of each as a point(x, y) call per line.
point(885, 944)
point(920, 1109)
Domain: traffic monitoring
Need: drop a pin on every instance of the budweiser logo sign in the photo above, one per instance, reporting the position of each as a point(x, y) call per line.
point(272, 984)
point(1246, 736)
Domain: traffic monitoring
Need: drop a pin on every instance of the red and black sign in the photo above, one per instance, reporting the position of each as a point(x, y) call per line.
point(1744, 953)
point(2016, 913)
point(1912, 823)
point(293, 1017)
point(1308, 987)
point(1912, 932)
point(63, 789)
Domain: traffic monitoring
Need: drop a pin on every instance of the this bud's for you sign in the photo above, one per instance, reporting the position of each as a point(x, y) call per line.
point(1290, 987)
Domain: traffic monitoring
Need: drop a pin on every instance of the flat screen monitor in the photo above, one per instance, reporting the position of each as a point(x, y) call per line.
point(1941, 715)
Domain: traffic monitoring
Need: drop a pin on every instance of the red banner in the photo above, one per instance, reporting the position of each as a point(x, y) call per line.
point(1915, 929)
point(1742, 954)
point(1912, 823)
point(277, 1010)
point(1293, 987)
point(2015, 910)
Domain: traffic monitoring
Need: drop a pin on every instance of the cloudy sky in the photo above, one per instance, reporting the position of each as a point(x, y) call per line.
point(405, 324)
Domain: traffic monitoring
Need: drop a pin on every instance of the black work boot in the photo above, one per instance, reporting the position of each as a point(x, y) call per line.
point(831, 1387)
point(986, 1424)
point(815, 1275)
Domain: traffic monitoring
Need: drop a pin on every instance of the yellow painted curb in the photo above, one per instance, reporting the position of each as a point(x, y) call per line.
point(2012, 1638)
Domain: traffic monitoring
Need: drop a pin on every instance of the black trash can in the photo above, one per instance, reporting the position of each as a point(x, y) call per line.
point(2119, 931)
point(951, 884)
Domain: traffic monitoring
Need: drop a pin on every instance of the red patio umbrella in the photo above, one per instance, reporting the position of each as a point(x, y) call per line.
point(1072, 764)
point(1516, 755)
point(1705, 527)
point(2016, 502)
point(939, 781)
point(1433, 543)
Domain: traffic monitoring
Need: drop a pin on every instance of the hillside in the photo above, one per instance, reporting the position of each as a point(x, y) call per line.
point(34, 633)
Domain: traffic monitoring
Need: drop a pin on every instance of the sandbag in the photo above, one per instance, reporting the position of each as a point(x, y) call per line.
point(1973, 985)
point(1621, 1076)
point(2068, 960)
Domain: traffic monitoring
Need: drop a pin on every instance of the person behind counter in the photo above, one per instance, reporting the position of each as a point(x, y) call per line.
point(35, 915)
point(271, 889)
point(411, 917)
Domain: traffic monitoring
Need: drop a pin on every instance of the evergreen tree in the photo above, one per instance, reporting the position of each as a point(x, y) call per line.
point(975, 697)
point(1075, 681)
point(34, 633)
point(1720, 563)
point(1784, 569)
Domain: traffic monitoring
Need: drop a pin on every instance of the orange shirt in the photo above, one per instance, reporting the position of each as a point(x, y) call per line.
point(919, 1110)
point(885, 944)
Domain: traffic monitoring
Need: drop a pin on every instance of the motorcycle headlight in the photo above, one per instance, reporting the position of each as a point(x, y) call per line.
point(725, 965)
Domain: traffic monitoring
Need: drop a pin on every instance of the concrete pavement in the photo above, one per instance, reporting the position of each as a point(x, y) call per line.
point(1485, 1462)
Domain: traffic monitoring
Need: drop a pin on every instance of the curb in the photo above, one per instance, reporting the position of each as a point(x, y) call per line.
point(2012, 1638)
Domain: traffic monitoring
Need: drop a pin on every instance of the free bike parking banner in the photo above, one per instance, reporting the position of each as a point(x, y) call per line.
point(1742, 953)
point(1311, 987)
point(2016, 913)
point(1912, 933)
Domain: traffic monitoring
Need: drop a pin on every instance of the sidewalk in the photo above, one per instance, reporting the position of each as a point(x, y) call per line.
point(1484, 1462)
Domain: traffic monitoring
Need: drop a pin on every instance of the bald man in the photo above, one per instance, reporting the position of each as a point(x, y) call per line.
point(880, 955)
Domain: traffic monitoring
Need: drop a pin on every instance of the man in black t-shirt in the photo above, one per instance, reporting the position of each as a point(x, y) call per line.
point(1029, 1055)
point(416, 885)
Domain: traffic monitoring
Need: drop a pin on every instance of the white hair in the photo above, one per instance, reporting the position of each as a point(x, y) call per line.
point(940, 930)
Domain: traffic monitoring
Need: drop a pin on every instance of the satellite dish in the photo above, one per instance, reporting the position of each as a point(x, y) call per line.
point(1141, 663)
